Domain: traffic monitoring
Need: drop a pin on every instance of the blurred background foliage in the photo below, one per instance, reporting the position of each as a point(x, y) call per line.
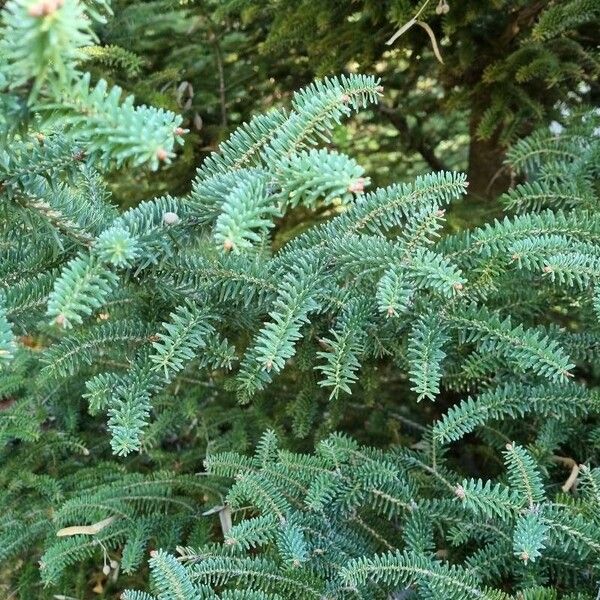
point(508, 66)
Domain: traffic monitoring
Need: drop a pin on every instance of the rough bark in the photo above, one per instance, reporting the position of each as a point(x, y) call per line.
point(487, 174)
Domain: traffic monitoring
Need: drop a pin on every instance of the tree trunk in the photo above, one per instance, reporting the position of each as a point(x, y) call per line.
point(487, 175)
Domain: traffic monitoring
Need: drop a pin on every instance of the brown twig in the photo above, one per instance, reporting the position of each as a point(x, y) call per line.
point(570, 464)
point(413, 139)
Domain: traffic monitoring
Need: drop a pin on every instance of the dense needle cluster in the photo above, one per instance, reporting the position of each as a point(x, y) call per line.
point(145, 352)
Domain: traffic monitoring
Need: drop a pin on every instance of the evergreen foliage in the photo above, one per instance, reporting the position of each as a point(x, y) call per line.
point(138, 345)
point(508, 64)
point(351, 521)
point(218, 62)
